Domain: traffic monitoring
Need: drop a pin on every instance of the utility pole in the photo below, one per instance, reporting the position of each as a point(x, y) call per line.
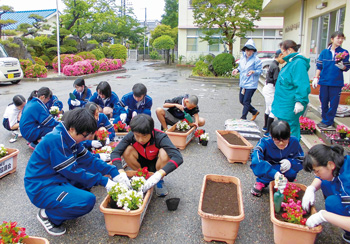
point(58, 39)
point(144, 36)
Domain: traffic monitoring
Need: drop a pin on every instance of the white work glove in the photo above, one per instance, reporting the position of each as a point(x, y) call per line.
point(315, 82)
point(134, 114)
point(123, 117)
point(105, 157)
point(154, 179)
point(75, 102)
point(277, 175)
point(308, 198)
point(109, 185)
point(340, 65)
point(96, 144)
point(285, 165)
point(298, 107)
point(315, 219)
point(122, 178)
point(108, 141)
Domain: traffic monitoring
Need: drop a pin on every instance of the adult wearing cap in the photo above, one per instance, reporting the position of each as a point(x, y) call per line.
point(269, 90)
point(250, 68)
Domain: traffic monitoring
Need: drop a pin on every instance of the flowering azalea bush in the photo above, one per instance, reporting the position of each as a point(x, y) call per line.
point(294, 212)
point(11, 233)
point(110, 64)
point(95, 66)
point(25, 63)
point(143, 172)
point(120, 127)
point(78, 68)
point(3, 151)
point(340, 56)
point(291, 192)
point(182, 125)
point(204, 137)
point(342, 129)
point(54, 110)
point(102, 134)
point(35, 71)
point(199, 132)
point(66, 59)
point(346, 88)
point(307, 124)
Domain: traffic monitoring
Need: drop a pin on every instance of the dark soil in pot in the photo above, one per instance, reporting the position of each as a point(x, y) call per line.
point(233, 139)
point(220, 198)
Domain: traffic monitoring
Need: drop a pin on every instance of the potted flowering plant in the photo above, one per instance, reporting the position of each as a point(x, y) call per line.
point(8, 160)
point(120, 127)
point(182, 125)
point(204, 138)
point(345, 95)
point(181, 134)
point(294, 212)
point(342, 130)
point(105, 149)
point(11, 233)
point(198, 134)
point(59, 117)
point(340, 56)
point(102, 135)
point(3, 151)
point(143, 172)
point(307, 126)
point(54, 110)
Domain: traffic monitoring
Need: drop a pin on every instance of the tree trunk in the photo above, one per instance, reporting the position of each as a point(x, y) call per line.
point(168, 56)
point(173, 56)
point(230, 48)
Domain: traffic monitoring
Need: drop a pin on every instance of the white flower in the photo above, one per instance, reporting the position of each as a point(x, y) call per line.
point(182, 125)
point(137, 182)
point(205, 137)
point(54, 110)
point(3, 150)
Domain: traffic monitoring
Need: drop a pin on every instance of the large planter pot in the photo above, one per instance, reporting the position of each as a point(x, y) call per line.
point(221, 227)
point(35, 240)
point(8, 164)
point(233, 153)
point(120, 135)
point(120, 222)
point(344, 98)
point(315, 91)
point(289, 233)
point(180, 140)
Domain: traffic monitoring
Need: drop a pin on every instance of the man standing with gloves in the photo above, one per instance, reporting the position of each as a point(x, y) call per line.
point(61, 169)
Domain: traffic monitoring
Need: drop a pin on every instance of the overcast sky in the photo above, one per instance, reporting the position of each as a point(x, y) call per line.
point(155, 8)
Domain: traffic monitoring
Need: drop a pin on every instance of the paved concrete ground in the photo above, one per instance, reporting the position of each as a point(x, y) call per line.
point(218, 102)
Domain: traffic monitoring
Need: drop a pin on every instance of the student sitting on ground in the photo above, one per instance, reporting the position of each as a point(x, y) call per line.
point(145, 146)
point(275, 155)
point(82, 94)
point(176, 108)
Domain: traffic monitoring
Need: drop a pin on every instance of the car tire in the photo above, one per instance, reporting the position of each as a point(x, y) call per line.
point(15, 81)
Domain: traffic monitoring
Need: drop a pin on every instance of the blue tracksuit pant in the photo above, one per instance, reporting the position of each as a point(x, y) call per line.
point(290, 174)
point(329, 98)
point(64, 201)
point(333, 201)
point(246, 99)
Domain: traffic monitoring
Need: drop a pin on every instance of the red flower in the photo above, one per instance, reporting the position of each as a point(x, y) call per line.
point(186, 121)
point(102, 134)
point(120, 127)
point(198, 132)
point(284, 215)
point(303, 221)
point(143, 172)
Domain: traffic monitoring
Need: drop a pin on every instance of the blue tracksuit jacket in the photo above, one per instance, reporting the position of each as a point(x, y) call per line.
point(82, 97)
point(54, 102)
point(142, 107)
point(57, 160)
point(266, 157)
point(331, 75)
point(36, 120)
point(112, 102)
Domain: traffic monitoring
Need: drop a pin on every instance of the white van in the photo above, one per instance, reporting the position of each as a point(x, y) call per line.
point(10, 68)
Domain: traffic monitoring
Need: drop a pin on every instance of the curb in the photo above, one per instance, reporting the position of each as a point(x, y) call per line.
point(227, 80)
point(63, 77)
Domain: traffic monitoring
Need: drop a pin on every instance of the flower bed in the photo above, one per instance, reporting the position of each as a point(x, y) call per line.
point(307, 126)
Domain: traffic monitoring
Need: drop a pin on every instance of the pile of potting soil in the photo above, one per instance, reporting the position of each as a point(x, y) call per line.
point(248, 129)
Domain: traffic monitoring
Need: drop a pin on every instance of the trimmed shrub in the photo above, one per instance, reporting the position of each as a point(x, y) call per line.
point(66, 59)
point(154, 55)
point(223, 63)
point(105, 50)
point(87, 55)
point(95, 66)
point(123, 61)
point(35, 71)
point(110, 64)
point(39, 61)
point(25, 63)
point(201, 69)
point(118, 51)
point(46, 59)
point(92, 42)
point(98, 54)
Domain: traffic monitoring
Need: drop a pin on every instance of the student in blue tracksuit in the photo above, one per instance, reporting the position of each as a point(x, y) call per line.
point(250, 68)
point(329, 75)
point(137, 101)
point(54, 101)
point(59, 164)
point(36, 120)
point(275, 155)
point(107, 100)
point(332, 171)
point(102, 121)
point(82, 94)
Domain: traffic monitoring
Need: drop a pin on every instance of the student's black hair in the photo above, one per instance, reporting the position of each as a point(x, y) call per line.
point(280, 130)
point(193, 99)
point(142, 123)
point(79, 82)
point(320, 155)
point(91, 107)
point(42, 91)
point(104, 88)
point(18, 100)
point(290, 44)
point(81, 120)
point(338, 34)
point(139, 90)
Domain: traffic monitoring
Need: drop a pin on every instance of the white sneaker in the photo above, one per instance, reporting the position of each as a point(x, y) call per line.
point(50, 227)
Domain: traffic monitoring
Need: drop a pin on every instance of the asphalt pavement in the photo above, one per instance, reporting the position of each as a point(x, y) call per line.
point(218, 101)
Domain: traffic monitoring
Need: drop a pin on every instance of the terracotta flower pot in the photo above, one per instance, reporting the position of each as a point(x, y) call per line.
point(289, 233)
point(35, 240)
point(180, 140)
point(8, 163)
point(315, 91)
point(344, 98)
point(221, 227)
point(233, 153)
point(120, 135)
point(120, 222)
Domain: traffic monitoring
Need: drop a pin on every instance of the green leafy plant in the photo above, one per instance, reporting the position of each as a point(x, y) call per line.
point(137, 182)
point(87, 55)
point(35, 71)
point(3, 151)
point(154, 55)
point(98, 54)
point(11, 233)
point(223, 63)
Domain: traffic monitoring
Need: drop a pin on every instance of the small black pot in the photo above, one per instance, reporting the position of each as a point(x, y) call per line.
point(103, 143)
point(342, 135)
point(172, 203)
point(204, 143)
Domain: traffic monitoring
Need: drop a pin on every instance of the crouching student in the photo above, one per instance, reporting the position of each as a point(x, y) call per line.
point(58, 163)
point(275, 155)
point(145, 146)
point(13, 114)
point(332, 171)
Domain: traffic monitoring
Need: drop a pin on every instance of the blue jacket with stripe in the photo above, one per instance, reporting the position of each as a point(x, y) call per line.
point(142, 107)
point(112, 102)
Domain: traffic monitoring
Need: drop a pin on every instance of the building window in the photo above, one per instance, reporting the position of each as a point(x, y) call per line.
point(192, 44)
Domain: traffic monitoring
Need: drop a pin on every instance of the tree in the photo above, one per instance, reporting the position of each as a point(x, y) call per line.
point(171, 15)
point(33, 29)
point(164, 42)
point(228, 18)
point(3, 23)
point(162, 30)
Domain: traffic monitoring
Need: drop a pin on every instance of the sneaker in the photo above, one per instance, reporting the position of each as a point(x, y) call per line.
point(255, 115)
point(264, 129)
point(12, 140)
point(266, 134)
point(323, 126)
point(346, 237)
point(161, 190)
point(50, 227)
point(257, 189)
point(31, 145)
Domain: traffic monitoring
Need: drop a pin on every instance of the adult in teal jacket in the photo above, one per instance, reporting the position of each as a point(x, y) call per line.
point(292, 87)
